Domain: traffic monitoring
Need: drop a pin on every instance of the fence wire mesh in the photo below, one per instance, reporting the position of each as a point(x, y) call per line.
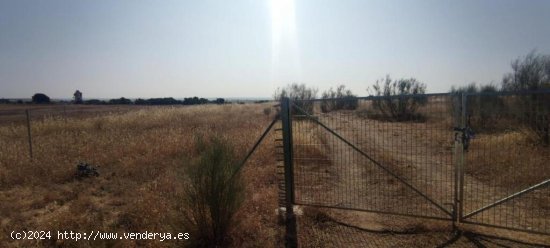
point(484, 156)
point(507, 163)
point(409, 164)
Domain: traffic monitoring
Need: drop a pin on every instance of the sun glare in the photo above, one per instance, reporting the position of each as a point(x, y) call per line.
point(284, 39)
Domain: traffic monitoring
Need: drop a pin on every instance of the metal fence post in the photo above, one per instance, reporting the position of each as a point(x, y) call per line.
point(29, 131)
point(291, 239)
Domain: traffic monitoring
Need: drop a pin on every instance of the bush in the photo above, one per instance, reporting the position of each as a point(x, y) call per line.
point(339, 99)
point(299, 94)
point(399, 100)
point(214, 194)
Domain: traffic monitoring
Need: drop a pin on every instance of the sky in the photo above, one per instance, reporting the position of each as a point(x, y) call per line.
point(248, 48)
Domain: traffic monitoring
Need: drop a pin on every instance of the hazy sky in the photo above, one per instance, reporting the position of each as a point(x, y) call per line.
point(247, 48)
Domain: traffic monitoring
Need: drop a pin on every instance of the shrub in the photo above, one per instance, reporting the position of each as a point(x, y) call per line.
point(214, 194)
point(399, 100)
point(339, 99)
point(299, 94)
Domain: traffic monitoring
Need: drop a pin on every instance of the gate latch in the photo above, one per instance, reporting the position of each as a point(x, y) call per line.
point(467, 134)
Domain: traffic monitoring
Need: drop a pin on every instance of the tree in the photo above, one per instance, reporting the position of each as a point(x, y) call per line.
point(77, 97)
point(399, 100)
point(40, 98)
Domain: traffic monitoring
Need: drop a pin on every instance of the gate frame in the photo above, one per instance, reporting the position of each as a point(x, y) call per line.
point(460, 123)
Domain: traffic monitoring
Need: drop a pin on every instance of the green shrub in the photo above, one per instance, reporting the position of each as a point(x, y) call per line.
point(338, 99)
point(214, 194)
point(399, 100)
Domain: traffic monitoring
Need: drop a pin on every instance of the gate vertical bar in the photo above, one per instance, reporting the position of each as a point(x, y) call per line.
point(29, 131)
point(456, 102)
point(291, 238)
point(463, 125)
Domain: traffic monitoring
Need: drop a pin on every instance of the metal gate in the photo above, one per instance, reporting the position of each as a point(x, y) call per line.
point(468, 158)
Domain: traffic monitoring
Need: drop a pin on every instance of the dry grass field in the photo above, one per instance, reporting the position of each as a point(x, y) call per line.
point(142, 154)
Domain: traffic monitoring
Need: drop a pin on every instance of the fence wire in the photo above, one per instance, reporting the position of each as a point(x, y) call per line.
point(507, 165)
point(482, 157)
point(410, 170)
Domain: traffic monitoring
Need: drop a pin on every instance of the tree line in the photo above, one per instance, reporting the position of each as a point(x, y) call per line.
point(529, 73)
point(41, 98)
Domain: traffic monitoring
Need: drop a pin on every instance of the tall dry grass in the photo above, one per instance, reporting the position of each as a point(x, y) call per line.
point(141, 157)
point(511, 159)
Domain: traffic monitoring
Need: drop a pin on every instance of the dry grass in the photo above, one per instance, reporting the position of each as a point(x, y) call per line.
point(141, 154)
point(510, 159)
point(312, 157)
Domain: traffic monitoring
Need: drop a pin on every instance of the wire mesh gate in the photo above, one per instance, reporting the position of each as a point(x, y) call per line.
point(468, 158)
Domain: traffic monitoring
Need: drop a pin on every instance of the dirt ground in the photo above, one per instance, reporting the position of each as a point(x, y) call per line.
point(421, 155)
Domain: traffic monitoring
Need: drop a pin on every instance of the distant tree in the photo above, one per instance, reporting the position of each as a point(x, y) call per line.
point(4, 101)
point(194, 100)
point(341, 98)
point(140, 101)
point(120, 101)
point(163, 101)
point(94, 102)
point(40, 98)
point(220, 101)
point(77, 96)
point(299, 94)
point(399, 100)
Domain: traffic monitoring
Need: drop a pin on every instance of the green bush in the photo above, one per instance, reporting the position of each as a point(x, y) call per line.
point(214, 194)
point(399, 100)
point(338, 99)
